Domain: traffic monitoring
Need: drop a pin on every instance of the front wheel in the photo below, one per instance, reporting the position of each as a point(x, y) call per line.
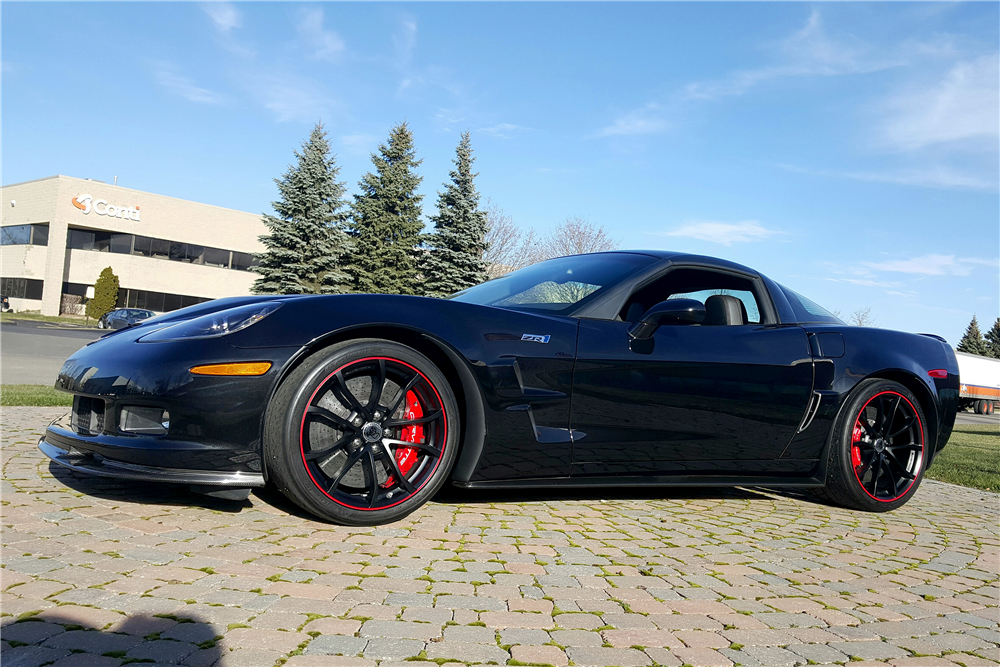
point(878, 448)
point(362, 433)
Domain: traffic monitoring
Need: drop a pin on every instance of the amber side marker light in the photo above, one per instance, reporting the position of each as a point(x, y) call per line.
point(938, 373)
point(252, 368)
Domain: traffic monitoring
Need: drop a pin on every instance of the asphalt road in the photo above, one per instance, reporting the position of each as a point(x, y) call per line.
point(33, 352)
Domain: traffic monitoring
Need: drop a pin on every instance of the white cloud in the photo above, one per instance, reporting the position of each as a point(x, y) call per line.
point(324, 44)
point(932, 265)
point(291, 98)
point(807, 52)
point(941, 177)
point(647, 120)
point(185, 87)
point(503, 130)
point(725, 233)
point(224, 15)
point(405, 41)
point(358, 144)
point(962, 107)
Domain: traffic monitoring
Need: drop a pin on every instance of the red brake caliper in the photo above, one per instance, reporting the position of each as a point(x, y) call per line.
point(406, 457)
point(855, 450)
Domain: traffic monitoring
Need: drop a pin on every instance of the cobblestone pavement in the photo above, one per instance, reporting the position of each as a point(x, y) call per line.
point(108, 573)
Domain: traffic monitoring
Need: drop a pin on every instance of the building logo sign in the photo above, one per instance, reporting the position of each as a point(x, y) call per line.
point(87, 204)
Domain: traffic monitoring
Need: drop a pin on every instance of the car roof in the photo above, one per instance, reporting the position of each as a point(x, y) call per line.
point(676, 257)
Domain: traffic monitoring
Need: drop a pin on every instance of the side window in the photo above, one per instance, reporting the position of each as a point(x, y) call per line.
point(730, 299)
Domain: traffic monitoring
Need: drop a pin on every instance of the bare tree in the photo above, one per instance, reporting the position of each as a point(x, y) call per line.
point(508, 247)
point(577, 236)
point(862, 317)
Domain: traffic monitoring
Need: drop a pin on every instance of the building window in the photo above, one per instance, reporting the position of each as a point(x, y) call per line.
point(150, 300)
point(145, 246)
point(24, 235)
point(244, 261)
point(21, 288)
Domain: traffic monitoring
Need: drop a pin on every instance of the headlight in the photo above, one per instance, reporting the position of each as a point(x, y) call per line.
point(215, 324)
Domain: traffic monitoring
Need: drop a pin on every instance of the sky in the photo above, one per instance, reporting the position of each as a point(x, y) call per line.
point(847, 150)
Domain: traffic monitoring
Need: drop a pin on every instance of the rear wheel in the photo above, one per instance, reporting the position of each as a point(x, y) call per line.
point(878, 449)
point(363, 433)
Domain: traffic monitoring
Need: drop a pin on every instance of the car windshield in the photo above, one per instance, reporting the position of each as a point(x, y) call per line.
point(556, 285)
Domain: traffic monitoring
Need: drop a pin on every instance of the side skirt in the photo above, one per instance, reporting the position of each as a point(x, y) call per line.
point(645, 480)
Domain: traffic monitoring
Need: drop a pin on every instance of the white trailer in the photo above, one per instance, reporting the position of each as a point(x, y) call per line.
point(980, 382)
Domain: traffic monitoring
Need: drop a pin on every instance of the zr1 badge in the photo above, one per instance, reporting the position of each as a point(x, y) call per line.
point(536, 338)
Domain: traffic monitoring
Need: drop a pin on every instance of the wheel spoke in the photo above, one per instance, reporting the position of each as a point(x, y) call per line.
point(368, 463)
point(906, 427)
point(887, 419)
point(907, 446)
point(887, 475)
point(863, 421)
point(314, 454)
point(422, 446)
point(434, 416)
point(396, 471)
point(323, 413)
point(867, 464)
point(875, 472)
point(402, 395)
point(345, 395)
point(351, 461)
point(378, 384)
point(904, 473)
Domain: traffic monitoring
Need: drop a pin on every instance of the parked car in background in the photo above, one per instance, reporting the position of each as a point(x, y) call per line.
point(123, 318)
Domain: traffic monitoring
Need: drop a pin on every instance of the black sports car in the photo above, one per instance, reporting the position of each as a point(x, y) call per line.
point(619, 368)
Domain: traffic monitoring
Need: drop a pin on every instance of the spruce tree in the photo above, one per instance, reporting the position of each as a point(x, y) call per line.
point(454, 261)
point(105, 294)
point(972, 342)
point(307, 241)
point(993, 340)
point(385, 220)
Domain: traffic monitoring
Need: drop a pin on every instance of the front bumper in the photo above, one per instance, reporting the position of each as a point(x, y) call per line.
point(92, 465)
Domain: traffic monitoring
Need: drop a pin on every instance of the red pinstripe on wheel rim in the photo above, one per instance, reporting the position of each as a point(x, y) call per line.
point(887, 446)
point(374, 436)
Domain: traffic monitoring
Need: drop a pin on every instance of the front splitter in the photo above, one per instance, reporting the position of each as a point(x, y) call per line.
point(90, 464)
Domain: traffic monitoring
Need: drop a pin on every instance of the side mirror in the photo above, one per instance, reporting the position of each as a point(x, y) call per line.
point(688, 311)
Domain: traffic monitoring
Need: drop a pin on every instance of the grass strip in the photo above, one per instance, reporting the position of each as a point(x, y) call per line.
point(37, 395)
point(82, 322)
point(971, 458)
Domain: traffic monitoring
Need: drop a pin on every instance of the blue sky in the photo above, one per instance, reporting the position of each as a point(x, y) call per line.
point(848, 150)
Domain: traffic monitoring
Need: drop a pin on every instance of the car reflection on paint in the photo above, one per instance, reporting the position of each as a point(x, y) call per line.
point(122, 318)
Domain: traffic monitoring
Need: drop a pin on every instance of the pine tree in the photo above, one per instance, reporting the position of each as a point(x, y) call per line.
point(105, 294)
point(972, 342)
point(993, 340)
point(385, 220)
point(307, 241)
point(454, 261)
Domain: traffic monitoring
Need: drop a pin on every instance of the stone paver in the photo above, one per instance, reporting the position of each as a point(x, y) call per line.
point(99, 572)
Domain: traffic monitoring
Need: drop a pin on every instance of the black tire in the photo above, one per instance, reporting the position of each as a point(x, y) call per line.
point(332, 452)
point(874, 466)
point(978, 409)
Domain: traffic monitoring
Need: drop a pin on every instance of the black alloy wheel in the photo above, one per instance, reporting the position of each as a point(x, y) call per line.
point(878, 450)
point(363, 433)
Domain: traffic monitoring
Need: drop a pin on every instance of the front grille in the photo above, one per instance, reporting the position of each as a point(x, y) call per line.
point(88, 415)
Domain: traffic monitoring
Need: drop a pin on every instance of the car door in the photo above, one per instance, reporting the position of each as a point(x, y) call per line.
point(691, 398)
